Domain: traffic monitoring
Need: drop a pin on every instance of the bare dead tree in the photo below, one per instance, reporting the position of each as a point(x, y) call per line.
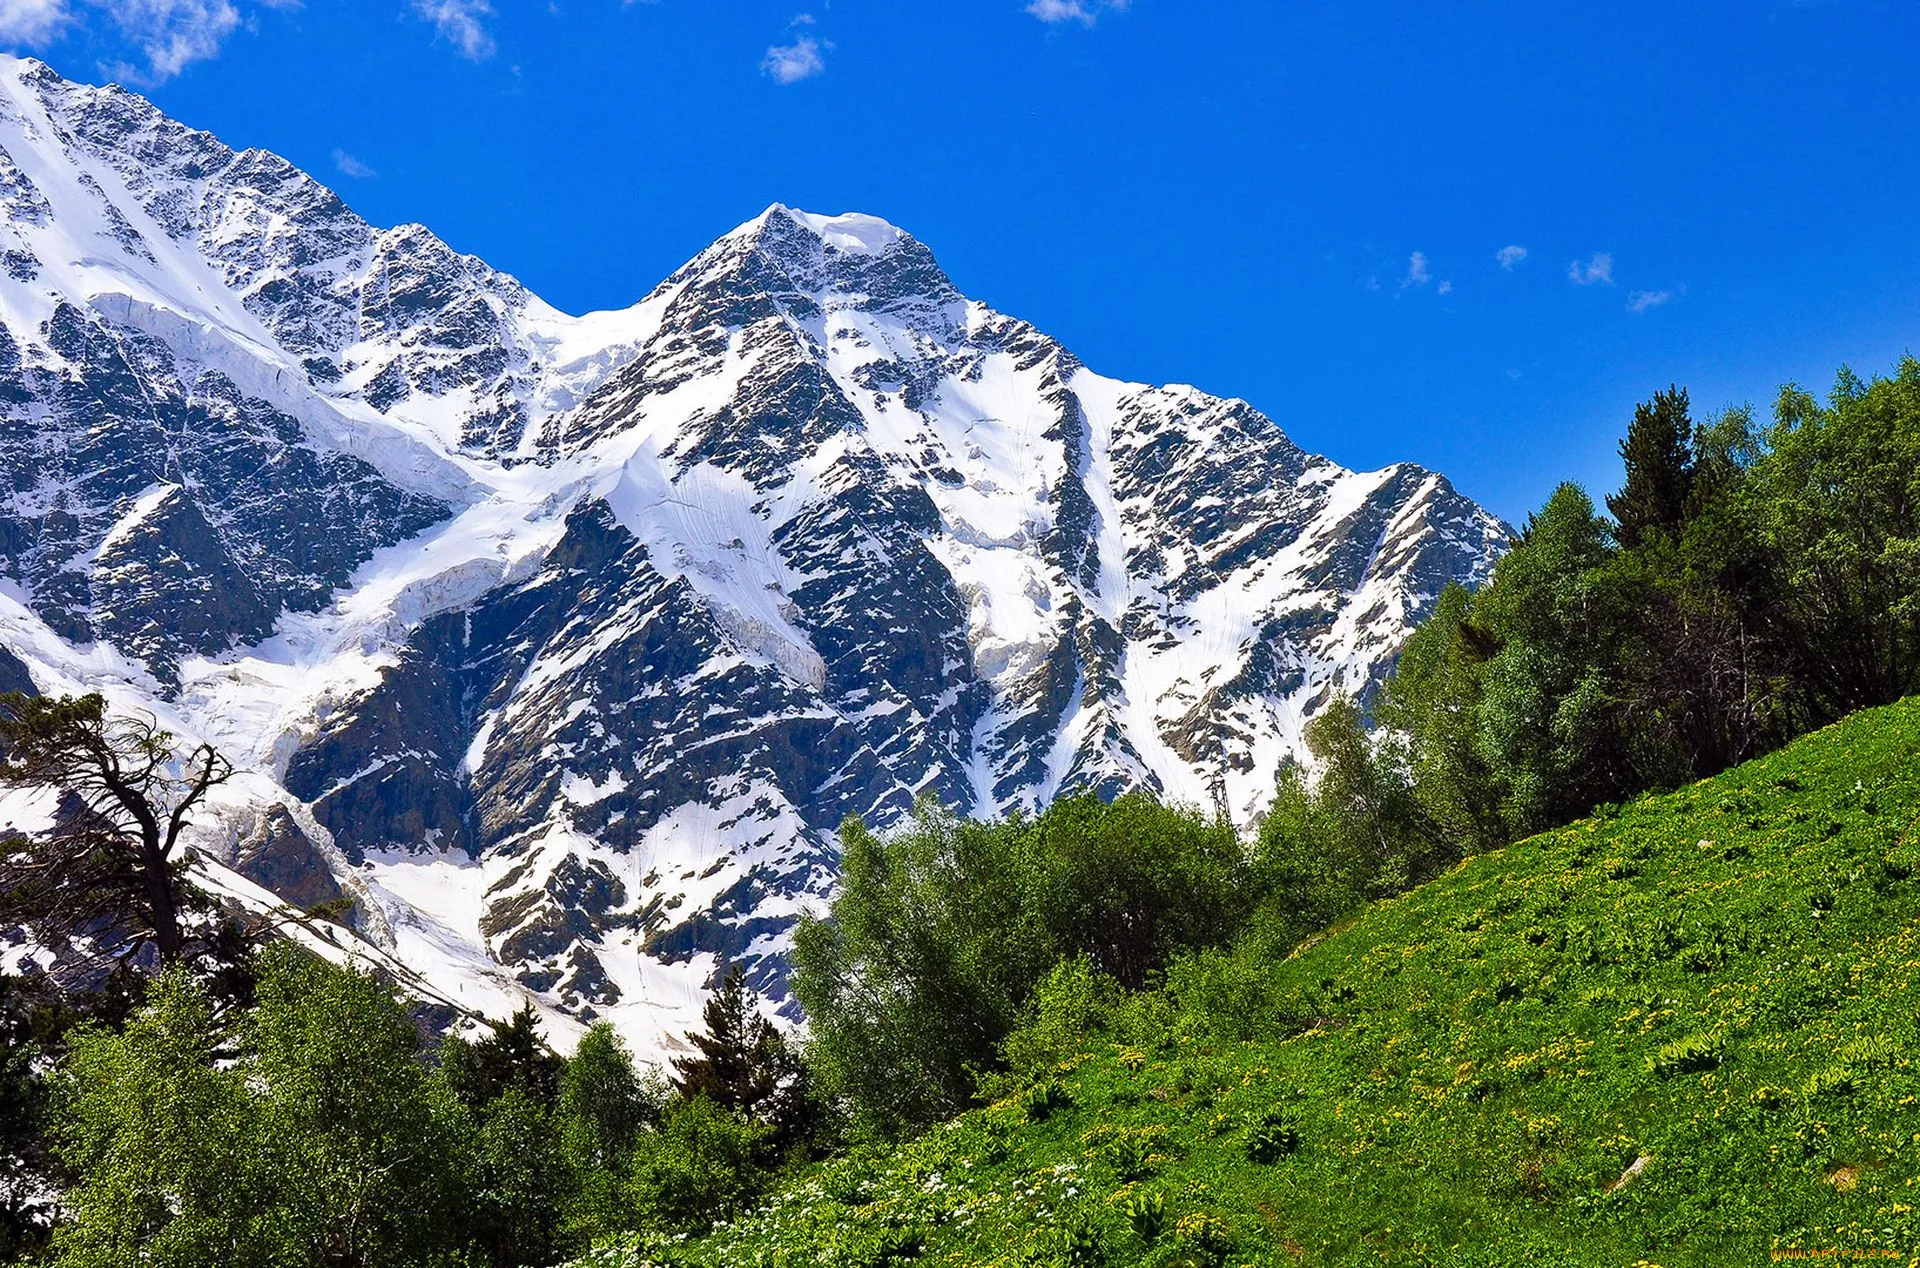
point(118, 861)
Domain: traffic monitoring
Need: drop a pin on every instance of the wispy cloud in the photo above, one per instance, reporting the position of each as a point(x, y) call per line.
point(33, 22)
point(1641, 301)
point(170, 34)
point(1445, 288)
point(1085, 12)
point(1598, 270)
point(802, 59)
point(1510, 257)
point(462, 23)
point(349, 166)
point(174, 33)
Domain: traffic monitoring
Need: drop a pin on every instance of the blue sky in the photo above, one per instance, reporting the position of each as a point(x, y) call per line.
point(1320, 207)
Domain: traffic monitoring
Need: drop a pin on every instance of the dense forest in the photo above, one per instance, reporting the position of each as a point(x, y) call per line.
point(229, 1098)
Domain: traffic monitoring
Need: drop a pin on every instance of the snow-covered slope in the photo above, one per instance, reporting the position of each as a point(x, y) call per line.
point(562, 644)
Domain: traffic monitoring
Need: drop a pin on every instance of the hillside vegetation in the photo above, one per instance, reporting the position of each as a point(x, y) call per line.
point(1681, 1031)
point(1128, 1032)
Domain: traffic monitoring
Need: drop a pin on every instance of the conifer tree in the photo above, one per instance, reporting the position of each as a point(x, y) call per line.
point(744, 1063)
point(511, 1055)
point(1658, 452)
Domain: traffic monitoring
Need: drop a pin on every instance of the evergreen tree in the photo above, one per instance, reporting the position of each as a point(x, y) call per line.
point(1658, 455)
point(28, 1201)
point(510, 1055)
point(744, 1064)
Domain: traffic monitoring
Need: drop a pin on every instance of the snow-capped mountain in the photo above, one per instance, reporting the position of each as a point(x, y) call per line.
point(564, 643)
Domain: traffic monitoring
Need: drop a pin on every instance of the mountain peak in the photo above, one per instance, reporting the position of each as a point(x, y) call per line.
point(850, 231)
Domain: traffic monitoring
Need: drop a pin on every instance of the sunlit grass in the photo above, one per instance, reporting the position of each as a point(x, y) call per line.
point(1681, 1032)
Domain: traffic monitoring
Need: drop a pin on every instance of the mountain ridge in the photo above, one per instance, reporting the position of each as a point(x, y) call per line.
point(575, 637)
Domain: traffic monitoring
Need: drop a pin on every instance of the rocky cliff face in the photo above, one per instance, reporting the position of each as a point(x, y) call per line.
point(562, 644)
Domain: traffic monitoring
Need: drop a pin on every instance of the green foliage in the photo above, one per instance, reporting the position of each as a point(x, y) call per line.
point(1271, 1136)
point(1432, 703)
point(172, 1170)
point(1658, 455)
point(1750, 586)
point(1627, 1039)
point(519, 1187)
point(1545, 728)
point(1688, 1055)
point(1837, 500)
point(1039, 1102)
point(1071, 1008)
point(706, 1163)
point(745, 1065)
point(510, 1056)
point(1076, 1245)
point(603, 1111)
point(1145, 1213)
point(343, 1111)
point(603, 1102)
point(1355, 833)
point(1129, 883)
point(921, 969)
point(308, 1129)
point(942, 932)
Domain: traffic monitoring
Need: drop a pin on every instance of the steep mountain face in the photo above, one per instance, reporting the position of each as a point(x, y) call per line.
point(562, 644)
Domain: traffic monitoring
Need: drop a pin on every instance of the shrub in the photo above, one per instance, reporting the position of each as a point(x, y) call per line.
point(1145, 1213)
point(1270, 1137)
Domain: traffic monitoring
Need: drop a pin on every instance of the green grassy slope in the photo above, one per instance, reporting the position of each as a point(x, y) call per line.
point(1682, 1033)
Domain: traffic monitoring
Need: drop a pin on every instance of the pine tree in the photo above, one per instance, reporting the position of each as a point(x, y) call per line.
point(511, 1055)
point(744, 1063)
point(1658, 452)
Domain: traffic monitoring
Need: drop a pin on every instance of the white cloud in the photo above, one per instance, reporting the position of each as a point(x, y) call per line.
point(33, 22)
point(1418, 274)
point(791, 63)
point(1085, 12)
point(1641, 301)
point(461, 23)
point(1510, 256)
point(1445, 288)
point(170, 34)
point(174, 33)
point(349, 166)
point(1597, 270)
